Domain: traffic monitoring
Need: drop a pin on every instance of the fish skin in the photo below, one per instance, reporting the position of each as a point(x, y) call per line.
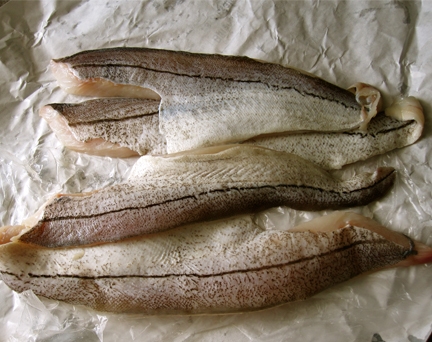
point(330, 150)
point(213, 99)
point(119, 127)
point(165, 192)
point(333, 150)
point(230, 265)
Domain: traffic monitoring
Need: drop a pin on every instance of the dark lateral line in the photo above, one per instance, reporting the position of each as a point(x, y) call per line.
point(362, 135)
point(373, 134)
point(221, 274)
point(384, 131)
point(205, 193)
point(403, 124)
point(112, 119)
point(213, 78)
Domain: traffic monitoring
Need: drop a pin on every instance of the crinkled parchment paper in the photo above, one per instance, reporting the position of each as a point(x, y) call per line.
point(384, 43)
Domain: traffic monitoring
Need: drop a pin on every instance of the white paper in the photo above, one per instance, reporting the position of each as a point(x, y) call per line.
point(384, 43)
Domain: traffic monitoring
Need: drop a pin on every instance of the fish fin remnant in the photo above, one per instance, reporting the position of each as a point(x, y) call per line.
point(370, 99)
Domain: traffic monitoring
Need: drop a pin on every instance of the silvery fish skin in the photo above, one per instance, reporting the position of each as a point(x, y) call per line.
point(164, 192)
point(230, 265)
point(209, 100)
point(122, 127)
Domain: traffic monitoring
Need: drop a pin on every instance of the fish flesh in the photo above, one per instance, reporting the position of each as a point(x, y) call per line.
point(230, 265)
point(123, 127)
point(164, 192)
point(208, 100)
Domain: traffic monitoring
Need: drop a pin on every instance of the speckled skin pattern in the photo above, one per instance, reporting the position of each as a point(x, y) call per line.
point(213, 267)
point(131, 123)
point(212, 99)
point(134, 123)
point(332, 150)
point(166, 192)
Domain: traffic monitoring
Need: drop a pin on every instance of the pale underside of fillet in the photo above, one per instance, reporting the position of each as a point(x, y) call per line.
point(229, 265)
point(128, 127)
point(209, 100)
point(164, 192)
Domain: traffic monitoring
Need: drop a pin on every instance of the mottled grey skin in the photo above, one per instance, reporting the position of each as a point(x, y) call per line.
point(138, 129)
point(200, 66)
point(166, 192)
point(131, 123)
point(214, 267)
point(333, 150)
point(211, 99)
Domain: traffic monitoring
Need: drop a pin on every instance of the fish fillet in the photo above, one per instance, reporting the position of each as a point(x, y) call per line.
point(128, 127)
point(210, 100)
point(230, 265)
point(333, 150)
point(164, 192)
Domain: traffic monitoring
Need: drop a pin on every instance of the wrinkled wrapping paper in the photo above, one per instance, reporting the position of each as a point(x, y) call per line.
point(384, 43)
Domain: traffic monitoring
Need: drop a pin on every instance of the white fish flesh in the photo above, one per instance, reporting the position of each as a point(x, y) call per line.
point(209, 100)
point(230, 265)
point(164, 192)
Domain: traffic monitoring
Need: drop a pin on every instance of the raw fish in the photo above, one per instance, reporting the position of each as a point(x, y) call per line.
point(115, 127)
point(209, 100)
point(333, 150)
point(129, 127)
point(231, 265)
point(165, 192)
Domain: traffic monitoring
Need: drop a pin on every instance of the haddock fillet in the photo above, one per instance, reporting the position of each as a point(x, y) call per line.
point(231, 265)
point(165, 192)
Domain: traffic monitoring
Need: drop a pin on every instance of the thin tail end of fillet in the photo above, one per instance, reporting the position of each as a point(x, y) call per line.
point(405, 109)
point(69, 80)
point(386, 175)
point(417, 253)
point(421, 254)
point(370, 188)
